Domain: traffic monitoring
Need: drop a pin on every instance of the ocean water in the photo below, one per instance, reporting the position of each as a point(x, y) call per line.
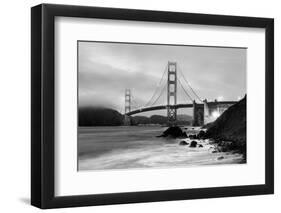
point(125, 147)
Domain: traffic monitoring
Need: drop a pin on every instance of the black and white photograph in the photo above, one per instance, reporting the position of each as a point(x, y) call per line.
point(143, 106)
point(148, 104)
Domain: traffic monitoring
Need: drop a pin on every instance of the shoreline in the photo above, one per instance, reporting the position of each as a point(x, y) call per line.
point(196, 135)
point(143, 150)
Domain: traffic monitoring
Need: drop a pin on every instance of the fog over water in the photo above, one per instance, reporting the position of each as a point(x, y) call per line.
point(106, 69)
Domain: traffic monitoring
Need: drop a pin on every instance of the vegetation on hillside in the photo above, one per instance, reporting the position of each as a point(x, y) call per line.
point(97, 116)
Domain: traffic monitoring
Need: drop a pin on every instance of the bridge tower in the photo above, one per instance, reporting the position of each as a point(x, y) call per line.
point(127, 120)
point(198, 114)
point(172, 93)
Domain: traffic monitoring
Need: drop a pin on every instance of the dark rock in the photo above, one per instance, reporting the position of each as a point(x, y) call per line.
point(220, 158)
point(183, 143)
point(200, 145)
point(193, 136)
point(201, 135)
point(174, 132)
point(193, 144)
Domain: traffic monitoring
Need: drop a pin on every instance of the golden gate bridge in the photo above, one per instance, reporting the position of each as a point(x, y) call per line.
point(171, 81)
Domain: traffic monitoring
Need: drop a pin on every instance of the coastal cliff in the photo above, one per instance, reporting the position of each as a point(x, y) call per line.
point(226, 134)
point(231, 125)
point(229, 130)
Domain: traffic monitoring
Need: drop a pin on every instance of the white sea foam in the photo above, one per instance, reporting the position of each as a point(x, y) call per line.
point(138, 147)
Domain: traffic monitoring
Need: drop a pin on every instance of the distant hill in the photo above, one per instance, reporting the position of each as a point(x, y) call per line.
point(140, 120)
point(183, 117)
point(231, 125)
point(160, 119)
point(154, 119)
point(97, 116)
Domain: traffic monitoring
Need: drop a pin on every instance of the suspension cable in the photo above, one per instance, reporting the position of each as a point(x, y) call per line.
point(135, 103)
point(158, 86)
point(185, 90)
point(190, 86)
point(164, 88)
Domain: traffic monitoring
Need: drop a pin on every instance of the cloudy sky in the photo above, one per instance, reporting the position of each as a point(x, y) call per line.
point(106, 69)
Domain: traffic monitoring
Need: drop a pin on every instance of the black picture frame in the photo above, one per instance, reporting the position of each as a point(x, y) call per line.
point(43, 102)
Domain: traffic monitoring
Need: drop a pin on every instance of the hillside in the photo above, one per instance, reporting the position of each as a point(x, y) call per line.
point(231, 125)
point(183, 117)
point(160, 119)
point(135, 120)
point(96, 116)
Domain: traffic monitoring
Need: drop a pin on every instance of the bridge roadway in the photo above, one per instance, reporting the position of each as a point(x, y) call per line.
point(177, 106)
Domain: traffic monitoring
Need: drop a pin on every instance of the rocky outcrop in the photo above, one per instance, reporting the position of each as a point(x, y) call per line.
point(174, 132)
point(201, 135)
point(193, 144)
point(183, 143)
point(231, 127)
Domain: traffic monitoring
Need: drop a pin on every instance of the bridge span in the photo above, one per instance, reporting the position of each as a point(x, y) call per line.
point(160, 107)
point(203, 111)
point(178, 106)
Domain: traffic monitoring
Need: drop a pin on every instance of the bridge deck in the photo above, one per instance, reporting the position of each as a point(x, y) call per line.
point(161, 107)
